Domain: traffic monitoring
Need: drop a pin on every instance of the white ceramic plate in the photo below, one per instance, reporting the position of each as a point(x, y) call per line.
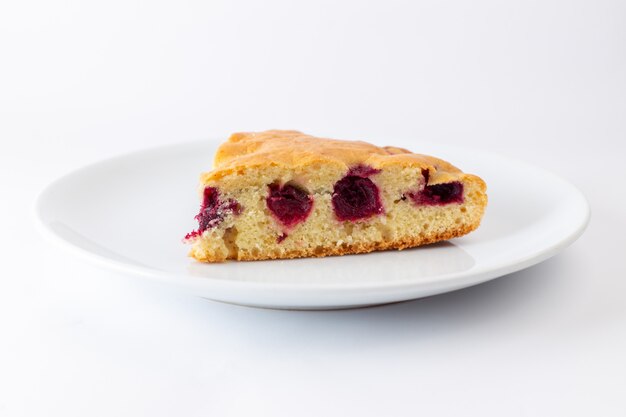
point(129, 214)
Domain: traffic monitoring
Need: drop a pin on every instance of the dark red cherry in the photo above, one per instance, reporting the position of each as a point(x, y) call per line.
point(212, 211)
point(439, 194)
point(355, 197)
point(289, 204)
point(208, 215)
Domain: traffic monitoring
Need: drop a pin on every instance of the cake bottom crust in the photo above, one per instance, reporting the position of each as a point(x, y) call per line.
point(346, 249)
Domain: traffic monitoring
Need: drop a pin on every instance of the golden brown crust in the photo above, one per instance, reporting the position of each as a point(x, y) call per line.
point(291, 149)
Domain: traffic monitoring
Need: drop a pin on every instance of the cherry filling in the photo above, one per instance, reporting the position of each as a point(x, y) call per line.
point(289, 204)
point(439, 194)
point(355, 197)
point(212, 211)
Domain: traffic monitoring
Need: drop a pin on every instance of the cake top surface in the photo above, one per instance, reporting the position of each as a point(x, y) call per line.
point(291, 149)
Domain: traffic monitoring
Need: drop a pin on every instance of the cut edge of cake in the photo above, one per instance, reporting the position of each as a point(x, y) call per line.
point(284, 194)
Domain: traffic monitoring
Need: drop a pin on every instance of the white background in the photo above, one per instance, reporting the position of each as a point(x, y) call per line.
point(543, 81)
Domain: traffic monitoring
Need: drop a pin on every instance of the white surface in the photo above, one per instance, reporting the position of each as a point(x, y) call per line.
point(540, 81)
point(533, 223)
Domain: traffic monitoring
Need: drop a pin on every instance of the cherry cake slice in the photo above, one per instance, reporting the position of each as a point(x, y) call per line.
point(283, 194)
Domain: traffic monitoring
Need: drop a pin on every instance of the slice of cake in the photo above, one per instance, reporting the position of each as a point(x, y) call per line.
point(284, 194)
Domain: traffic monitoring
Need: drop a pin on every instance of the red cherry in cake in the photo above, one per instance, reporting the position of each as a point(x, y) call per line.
point(438, 194)
point(355, 196)
point(289, 204)
point(212, 211)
